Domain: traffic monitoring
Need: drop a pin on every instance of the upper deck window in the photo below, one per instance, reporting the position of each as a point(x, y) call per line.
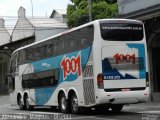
point(121, 31)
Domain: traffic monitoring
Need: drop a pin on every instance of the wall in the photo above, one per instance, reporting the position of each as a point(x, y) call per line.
point(128, 6)
point(45, 32)
point(4, 35)
point(22, 30)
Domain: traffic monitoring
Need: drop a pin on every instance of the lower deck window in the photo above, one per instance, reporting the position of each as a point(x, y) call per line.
point(41, 79)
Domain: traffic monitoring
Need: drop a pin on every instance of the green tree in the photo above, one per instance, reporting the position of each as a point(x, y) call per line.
point(77, 12)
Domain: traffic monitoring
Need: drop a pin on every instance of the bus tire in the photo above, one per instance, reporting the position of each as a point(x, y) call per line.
point(75, 109)
point(116, 108)
point(27, 104)
point(63, 103)
point(20, 103)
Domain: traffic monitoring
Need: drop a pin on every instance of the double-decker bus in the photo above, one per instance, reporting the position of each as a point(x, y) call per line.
point(101, 64)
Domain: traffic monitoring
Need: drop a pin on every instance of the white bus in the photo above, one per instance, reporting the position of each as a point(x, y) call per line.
point(101, 64)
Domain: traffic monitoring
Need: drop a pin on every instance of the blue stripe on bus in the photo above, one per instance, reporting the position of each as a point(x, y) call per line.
point(141, 54)
point(42, 95)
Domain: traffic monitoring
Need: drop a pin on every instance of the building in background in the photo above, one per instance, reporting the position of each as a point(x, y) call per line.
point(26, 31)
point(39, 28)
point(4, 55)
point(147, 11)
point(60, 15)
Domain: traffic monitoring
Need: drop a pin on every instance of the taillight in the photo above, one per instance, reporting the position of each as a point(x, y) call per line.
point(100, 81)
point(147, 79)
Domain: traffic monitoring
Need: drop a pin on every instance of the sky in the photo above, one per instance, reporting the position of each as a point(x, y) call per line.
point(41, 8)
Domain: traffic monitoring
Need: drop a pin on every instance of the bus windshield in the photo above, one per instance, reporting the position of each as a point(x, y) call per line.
point(121, 31)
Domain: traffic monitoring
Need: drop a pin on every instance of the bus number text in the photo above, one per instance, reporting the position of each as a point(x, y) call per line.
point(112, 77)
point(120, 58)
point(71, 65)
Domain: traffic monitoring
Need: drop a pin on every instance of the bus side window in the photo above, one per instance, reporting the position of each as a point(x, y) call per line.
point(30, 54)
point(12, 72)
point(85, 37)
point(69, 43)
point(21, 57)
point(54, 49)
point(46, 50)
point(83, 41)
point(61, 45)
point(11, 83)
point(50, 50)
point(13, 66)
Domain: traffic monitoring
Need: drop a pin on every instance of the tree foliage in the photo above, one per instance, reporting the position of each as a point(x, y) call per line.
point(77, 12)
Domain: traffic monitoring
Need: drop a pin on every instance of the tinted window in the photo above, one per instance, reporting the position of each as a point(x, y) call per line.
point(121, 31)
point(29, 54)
point(13, 66)
point(85, 37)
point(22, 56)
point(76, 40)
point(40, 79)
point(66, 43)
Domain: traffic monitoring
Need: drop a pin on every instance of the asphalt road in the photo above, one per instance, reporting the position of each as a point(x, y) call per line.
point(149, 111)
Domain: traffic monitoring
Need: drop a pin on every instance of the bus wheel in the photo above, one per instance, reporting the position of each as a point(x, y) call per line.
point(20, 103)
point(74, 104)
point(27, 104)
point(63, 103)
point(116, 108)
